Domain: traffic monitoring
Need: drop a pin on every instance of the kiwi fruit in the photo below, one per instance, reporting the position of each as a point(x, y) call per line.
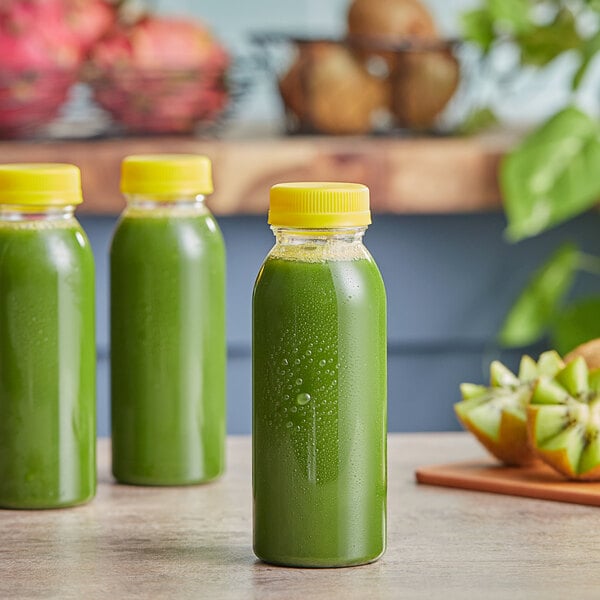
point(329, 91)
point(423, 82)
point(497, 414)
point(563, 420)
point(390, 20)
point(590, 352)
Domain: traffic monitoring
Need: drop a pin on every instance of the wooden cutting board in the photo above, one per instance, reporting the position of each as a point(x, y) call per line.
point(531, 482)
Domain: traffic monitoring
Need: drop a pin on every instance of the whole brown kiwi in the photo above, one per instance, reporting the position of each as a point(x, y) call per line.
point(422, 84)
point(391, 19)
point(329, 91)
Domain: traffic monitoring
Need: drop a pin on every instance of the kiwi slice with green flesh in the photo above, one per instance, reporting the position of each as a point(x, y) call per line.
point(497, 415)
point(563, 419)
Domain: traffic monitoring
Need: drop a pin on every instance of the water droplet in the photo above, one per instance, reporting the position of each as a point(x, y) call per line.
point(303, 398)
point(330, 360)
point(286, 397)
point(284, 362)
point(297, 361)
point(289, 424)
point(293, 409)
point(308, 352)
point(299, 381)
point(322, 362)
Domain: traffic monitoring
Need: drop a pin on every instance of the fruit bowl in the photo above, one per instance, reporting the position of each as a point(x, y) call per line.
point(29, 100)
point(359, 84)
point(160, 101)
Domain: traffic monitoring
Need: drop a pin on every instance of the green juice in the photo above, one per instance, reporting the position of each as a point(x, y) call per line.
point(47, 365)
point(319, 421)
point(168, 346)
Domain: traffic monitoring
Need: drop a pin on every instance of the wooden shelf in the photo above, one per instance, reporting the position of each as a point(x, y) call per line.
point(428, 175)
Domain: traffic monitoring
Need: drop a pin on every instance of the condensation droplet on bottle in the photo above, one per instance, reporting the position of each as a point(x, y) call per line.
point(303, 398)
point(299, 381)
point(322, 362)
point(289, 424)
point(284, 362)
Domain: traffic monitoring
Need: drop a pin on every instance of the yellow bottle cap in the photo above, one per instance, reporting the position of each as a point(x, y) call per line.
point(40, 184)
point(167, 175)
point(315, 205)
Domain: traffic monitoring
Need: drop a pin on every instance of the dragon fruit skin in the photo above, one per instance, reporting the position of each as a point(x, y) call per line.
point(89, 20)
point(160, 75)
point(39, 61)
point(34, 36)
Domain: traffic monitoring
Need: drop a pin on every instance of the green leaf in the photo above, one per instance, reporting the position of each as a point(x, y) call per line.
point(478, 120)
point(590, 49)
point(577, 324)
point(512, 16)
point(553, 175)
point(536, 306)
point(594, 5)
point(542, 44)
point(478, 27)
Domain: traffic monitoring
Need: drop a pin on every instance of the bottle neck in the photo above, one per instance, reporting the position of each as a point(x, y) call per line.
point(319, 244)
point(299, 236)
point(147, 202)
point(23, 213)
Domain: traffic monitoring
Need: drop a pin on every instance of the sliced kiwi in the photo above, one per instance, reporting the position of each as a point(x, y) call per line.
point(563, 420)
point(497, 415)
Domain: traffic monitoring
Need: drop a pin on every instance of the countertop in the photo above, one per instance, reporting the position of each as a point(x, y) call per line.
point(195, 542)
point(405, 175)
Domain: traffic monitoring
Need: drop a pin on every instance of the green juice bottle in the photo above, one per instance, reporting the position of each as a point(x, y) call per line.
point(47, 346)
point(319, 383)
point(168, 347)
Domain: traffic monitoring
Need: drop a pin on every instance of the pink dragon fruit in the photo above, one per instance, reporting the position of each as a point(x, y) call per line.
point(89, 20)
point(160, 75)
point(39, 59)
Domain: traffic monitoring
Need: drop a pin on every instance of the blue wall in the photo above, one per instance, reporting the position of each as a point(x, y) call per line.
point(449, 278)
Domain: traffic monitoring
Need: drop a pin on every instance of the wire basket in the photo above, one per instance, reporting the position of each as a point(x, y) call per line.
point(29, 100)
point(365, 85)
point(161, 101)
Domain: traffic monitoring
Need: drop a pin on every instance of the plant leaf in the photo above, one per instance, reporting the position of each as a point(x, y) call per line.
point(543, 43)
point(590, 49)
point(553, 175)
point(536, 306)
point(576, 324)
point(478, 27)
point(514, 16)
point(478, 120)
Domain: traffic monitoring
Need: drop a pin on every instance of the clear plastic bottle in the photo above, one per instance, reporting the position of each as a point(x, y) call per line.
point(319, 383)
point(47, 343)
point(168, 347)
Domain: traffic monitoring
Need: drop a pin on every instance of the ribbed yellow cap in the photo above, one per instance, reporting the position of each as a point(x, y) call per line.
point(40, 184)
point(316, 205)
point(166, 175)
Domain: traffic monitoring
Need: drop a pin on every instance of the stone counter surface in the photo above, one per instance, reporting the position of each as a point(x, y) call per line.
point(195, 542)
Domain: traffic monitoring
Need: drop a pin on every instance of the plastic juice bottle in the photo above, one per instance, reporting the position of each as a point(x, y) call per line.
point(168, 342)
point(47, 345)
point(319, 383)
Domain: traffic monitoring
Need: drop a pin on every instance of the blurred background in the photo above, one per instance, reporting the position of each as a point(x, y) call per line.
point(474, 122)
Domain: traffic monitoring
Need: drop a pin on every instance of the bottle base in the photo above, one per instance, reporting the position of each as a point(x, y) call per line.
point(326, 563)
point(34, 505)
point(163, 482)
